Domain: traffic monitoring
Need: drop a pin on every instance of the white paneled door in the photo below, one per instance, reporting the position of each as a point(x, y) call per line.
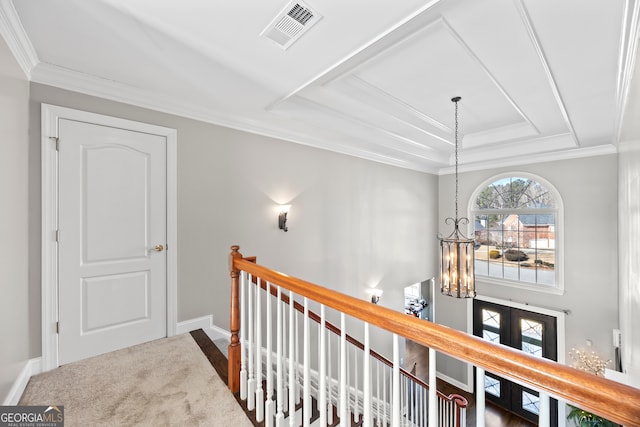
point(112, 216)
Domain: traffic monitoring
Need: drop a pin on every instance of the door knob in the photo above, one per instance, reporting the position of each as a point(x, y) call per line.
point(158, 248)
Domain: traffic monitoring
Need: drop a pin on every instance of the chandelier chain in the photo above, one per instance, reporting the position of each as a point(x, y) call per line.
point(455, 101)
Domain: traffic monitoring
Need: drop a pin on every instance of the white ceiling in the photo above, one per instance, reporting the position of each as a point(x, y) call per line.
point(539, 79)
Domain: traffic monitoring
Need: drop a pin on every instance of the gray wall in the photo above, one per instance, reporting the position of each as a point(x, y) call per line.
point(588, 189)
point(629, 229)
point(629, 243)
point(353, 223)
point(14, 213)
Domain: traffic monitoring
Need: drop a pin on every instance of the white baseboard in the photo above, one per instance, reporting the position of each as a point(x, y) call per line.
point(454, 382)
point(206, 324)
point(31, 367)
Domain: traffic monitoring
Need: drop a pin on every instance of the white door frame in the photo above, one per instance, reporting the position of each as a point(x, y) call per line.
point(49, 167)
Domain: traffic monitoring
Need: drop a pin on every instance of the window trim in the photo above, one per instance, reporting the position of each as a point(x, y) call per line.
point(558, 288)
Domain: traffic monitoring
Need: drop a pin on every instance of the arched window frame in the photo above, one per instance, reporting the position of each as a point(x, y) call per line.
point(558, 211)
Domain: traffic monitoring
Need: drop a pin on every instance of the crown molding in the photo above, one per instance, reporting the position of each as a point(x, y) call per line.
point(62, 78)
point(12, 31)
point(114, 91)
point(574, 153)
point(629, 46)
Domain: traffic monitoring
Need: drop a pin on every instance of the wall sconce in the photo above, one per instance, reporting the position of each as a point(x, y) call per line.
point(376, 293)
point(283, 210)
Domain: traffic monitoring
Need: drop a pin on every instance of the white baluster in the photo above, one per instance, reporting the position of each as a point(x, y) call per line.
point(433, 396)
point(243, 344)
point(329, 408)
point(306, 391)
point(292, 377)
point(269, 408)
point(405, 400)
point(544, 415)
point(251, 383)
point(383, 411)
point(366, 379)
point(259, 391)
point(395, 386)
point(297, 368)
point(279, 358)
point(480, 401)
point(356, 407)
point(343, 406)
point(285, 366)
point(322, 370)
point(384, 393)
point(424, 415)
point(378, 392)
point(348, 382)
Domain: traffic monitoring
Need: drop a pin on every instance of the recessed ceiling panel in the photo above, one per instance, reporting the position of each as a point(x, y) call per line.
point(429, 68)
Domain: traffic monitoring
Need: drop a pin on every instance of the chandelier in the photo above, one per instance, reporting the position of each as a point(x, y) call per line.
point(457, 250)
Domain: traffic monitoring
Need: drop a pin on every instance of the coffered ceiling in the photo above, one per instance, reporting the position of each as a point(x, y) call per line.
point(539, 79)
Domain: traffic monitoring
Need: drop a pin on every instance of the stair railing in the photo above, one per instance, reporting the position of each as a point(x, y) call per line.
point(413, 399)
point(617, 402)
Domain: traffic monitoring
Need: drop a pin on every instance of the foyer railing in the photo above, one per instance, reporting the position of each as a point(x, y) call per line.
point(614, 401)
point(414, 391)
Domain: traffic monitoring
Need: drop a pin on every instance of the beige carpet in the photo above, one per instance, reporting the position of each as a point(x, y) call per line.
point(167, 382)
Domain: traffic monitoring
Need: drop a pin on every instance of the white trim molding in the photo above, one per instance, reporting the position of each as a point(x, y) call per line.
point(32, 367)
point(206, 324)
point(13, 32)
point(50, 117)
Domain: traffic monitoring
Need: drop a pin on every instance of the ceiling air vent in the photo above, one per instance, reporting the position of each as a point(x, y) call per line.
point(290, 24)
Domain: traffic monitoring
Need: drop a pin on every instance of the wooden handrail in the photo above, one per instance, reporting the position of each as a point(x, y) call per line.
point(461, 401)
point(614, 401)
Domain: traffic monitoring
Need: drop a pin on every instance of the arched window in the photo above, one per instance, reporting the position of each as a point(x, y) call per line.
point(517, 224)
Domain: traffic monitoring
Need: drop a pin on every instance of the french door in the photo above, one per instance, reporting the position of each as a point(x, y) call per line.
point(533, 333)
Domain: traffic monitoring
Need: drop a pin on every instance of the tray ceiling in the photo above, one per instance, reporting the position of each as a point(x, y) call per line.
point(539, 79)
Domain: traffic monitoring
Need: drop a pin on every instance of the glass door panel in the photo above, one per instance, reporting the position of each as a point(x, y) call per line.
point(530, 401)
point(532, 333)
point(531, 337)
point(491, 325)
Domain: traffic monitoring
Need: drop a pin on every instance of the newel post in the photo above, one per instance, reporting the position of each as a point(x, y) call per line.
point(234, 323)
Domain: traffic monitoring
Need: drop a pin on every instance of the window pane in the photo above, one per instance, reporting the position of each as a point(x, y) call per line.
point(517, 247)
point(491, 336)
point(531, 337)
point(514, 193)
point(492, 386)
point(511, 244)
point(490, 318)
point(530, 402)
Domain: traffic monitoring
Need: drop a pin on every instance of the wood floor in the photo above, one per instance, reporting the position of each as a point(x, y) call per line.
point(219, 363)
point(494, 416)
point(415, 353)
